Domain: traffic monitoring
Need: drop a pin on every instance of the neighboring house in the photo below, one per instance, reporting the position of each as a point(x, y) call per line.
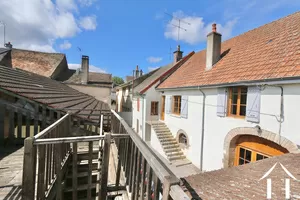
point(237, 101)
point(98, 85)
point(25, 92)
point(124, 91)
point(55, 66)
point(146, 104)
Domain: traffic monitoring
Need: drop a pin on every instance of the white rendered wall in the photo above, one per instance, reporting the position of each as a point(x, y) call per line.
point(216, 128)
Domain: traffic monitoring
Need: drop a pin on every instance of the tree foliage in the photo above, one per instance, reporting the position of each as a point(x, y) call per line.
point(117, 80)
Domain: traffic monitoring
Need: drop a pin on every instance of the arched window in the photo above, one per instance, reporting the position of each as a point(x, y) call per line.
point(182, 139)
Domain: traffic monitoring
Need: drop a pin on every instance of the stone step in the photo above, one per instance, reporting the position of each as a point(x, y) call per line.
point(170, 146)
point(172, 149)
point(164, 136)
point(177, 153)
point(176, 157)
point(168, 140)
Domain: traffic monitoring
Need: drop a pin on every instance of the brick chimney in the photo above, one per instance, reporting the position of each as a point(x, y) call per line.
point(137, 72)
point(213, 48)
point(177, 54)
point(85, 69)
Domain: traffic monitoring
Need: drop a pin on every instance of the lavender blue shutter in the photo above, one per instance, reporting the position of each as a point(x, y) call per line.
point(168, 103)
point(222, 102)
point(253, 104)
point(184, 107)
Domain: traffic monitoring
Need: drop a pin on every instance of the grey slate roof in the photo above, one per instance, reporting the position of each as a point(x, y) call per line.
point(49, 92)
point(242, 182)
point(153, 77)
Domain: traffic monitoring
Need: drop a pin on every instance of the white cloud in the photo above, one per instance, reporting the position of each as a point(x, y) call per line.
point(92, 68)
point(65, 45)
point(37, 24)
point(87, 2)
point(88, 22)
point(66, 5)
point(197, 30)
point(152, 68)
point(152, 59)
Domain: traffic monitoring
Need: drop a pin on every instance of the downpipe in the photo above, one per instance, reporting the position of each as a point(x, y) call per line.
point(202, 129)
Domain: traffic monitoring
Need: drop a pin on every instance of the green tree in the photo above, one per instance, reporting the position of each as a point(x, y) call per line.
point(117, 80)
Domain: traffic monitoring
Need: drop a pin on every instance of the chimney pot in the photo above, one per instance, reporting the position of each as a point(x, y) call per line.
point(214, 27)
point(141, 72)
point(85, 69)
point(137, 72)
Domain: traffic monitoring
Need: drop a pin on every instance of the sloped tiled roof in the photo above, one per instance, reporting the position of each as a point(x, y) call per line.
point(242, 182)
point(49, 92)
point(269, 52)
point(36, 62)
point(97, 79)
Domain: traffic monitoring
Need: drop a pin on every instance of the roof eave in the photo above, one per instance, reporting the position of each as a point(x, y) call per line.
point(276, 81)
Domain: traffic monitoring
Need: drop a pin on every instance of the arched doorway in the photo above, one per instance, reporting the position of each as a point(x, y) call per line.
point(250, 148)
point(261, 137)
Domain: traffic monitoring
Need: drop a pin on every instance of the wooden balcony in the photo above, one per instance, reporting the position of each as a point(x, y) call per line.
point(59, 164)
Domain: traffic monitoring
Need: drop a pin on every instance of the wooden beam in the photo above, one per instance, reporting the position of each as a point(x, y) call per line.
point(104, 170)
point(29, 169)
point(177, 193)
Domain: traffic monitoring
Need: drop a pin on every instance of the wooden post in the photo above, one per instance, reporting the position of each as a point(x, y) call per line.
point(166, 189)
point(149, 183)
point(74, 178)
point(19, 132)
point(29, 169)
point(28, 120)
point(90, 160)
point(36, 119)
point(118, 173)
point(156, 187)
point(143, 176)
point(11, 123)
point(41, 173)
point(104, 169)
point(135, 193)
point(59, 193)
point(133, 170)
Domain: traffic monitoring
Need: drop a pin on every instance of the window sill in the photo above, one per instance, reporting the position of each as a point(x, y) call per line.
point(236, 117)
point(175, 115)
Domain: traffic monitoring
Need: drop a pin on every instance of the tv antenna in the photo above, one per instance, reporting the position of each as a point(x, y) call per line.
point(179, 27)
point(80, 54)
point(170, 53)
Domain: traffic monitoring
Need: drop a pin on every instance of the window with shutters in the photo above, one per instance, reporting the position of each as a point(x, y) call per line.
point(237, 101)
point(154, 107)
point(176, 106)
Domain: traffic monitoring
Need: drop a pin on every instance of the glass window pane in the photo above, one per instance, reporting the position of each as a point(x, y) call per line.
point(243, 99)
point(235, 90)
point(241, 161)
point(242, 153)
point(244, 90)
point(243, 111)
point(233, 109)
point(234, 99)
point(248, 155)
point(259, 157)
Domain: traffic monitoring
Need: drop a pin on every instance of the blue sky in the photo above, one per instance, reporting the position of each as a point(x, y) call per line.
point(117, 35)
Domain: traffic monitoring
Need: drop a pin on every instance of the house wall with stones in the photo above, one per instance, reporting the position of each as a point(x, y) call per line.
point(216, 148)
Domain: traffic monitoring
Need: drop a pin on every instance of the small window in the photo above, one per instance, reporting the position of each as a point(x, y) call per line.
point(247, 155)
point(182, 139)
point(237, 101)
point(176, 105)
point(154, 107)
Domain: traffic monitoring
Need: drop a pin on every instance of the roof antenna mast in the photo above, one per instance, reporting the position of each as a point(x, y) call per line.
point(179, 27)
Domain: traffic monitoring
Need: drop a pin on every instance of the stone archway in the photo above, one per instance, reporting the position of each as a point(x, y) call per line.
point(233, 135)
point(182, 139)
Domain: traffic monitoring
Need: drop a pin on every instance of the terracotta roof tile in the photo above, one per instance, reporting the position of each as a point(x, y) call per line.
point(268, 52)
point(242, 182)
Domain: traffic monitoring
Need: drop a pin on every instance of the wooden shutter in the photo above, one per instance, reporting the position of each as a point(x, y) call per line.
point(253, 104)
point(222, 102)
point(184, 107)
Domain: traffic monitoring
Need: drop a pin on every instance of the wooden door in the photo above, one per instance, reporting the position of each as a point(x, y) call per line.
point(162, 112)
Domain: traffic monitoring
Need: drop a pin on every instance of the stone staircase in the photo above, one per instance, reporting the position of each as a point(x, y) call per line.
point(168, 142)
